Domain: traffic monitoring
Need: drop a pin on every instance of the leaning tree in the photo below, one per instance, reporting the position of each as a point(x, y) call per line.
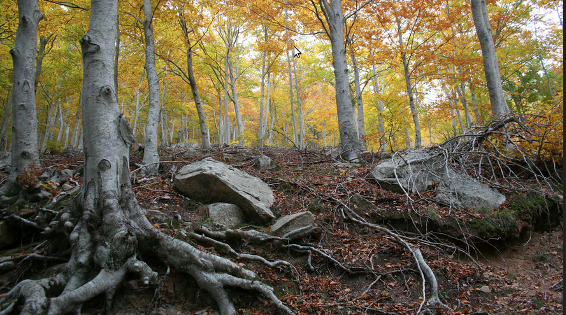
point(107, 230)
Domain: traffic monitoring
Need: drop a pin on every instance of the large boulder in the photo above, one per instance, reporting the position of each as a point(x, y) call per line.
point(416, 170)
point(410, 171)
point(459, 189)
point(292, 222)
point(211, 181)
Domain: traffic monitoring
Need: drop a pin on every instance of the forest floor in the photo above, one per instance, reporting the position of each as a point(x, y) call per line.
point(514, 268)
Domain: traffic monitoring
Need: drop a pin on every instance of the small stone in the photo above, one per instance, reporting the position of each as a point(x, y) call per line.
point(292, 222)
point(66, 187)
point(485, 289)
point(227, 214)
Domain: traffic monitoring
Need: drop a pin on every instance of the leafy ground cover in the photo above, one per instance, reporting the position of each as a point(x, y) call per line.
point(514, 266)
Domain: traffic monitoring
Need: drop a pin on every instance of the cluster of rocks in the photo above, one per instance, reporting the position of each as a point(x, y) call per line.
point(234, 197)
point(415, 171)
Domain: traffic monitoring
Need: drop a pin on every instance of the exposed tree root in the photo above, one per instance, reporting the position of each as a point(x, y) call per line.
point(107, 237)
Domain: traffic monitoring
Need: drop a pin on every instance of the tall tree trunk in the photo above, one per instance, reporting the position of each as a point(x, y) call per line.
point(138, 107)
point(24, 115)
point(43, 41)
point(226, 140)
point(455, 98)
point(409, 86)
point(447, 93)
point(150, 154)
point(291, 100)
point(475, 106)
point(461, 90)
point(490, 64)
point(273, 119)
point(299, 108)
point(76, 125)
point(359, 103)
point(348, 134)
point(239, 123)
point(48, 123)
point(380, 126)
point(204, 132)
point(267, 107)
point(261, 132)
point(61, 124)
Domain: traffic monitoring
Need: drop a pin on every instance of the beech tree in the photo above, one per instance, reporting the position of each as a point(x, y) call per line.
point(334, 29)
point(490, 64)
point(24, 116)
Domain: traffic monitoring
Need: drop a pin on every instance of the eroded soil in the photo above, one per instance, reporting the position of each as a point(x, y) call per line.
point(519, 275)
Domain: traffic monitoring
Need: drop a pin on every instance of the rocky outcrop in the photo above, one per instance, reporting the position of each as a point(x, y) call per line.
point(461, 190)
point(210, 181)
point(416, 170)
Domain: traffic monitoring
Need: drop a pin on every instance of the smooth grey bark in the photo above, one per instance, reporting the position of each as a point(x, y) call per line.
point(205, 135)
point(267, 107)
point(261, 133)
point(67, 131)
point(240, 124)
point(24, 114)
point(334, 16)
point(138, 107)
point(450, 106)
point(43, 41)
point(61, 124)
point(150, 153)
point(273, 111)
point(299, 108)
point(409, 86)
point(226, 121)
point(229, 36)
point(380, 127)
point(490, 64)
point(457, 110)
point(204, 132)
point(116, 56)
point(290, 74)
point(48, 121)
point(291, 100)
point(76, 126)
point(461, 91)
point(477, 120)
point(164, 118)
point(359, 103)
